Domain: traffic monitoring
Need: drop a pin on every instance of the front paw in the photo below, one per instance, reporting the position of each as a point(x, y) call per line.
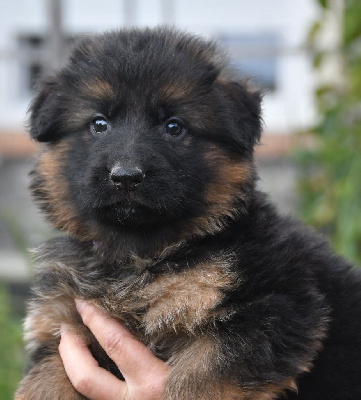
point(199, 372)
point(47, 380)
point(193, 373)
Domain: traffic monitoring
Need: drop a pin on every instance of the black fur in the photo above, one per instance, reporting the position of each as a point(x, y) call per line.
point(293, 310)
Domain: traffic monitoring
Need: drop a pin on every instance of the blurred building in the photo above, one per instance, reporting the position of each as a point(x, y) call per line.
point(265, 40)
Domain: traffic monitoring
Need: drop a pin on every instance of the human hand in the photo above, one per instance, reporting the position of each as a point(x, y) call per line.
point(144, 373)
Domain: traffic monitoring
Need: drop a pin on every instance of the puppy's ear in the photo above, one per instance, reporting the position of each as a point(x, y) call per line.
point(245, 112)
point(45, 113)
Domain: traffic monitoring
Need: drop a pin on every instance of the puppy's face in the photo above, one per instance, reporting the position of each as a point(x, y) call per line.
point(140, 131)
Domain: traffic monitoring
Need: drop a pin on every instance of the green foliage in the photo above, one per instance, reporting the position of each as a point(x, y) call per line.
point(11, 349)
point(323, 3)
point(330, 188)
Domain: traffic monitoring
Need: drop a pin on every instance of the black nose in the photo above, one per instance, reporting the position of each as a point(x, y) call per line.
point(126, 178)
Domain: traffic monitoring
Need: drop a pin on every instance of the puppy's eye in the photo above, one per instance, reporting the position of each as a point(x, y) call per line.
point(99, 125)
point(174, 127)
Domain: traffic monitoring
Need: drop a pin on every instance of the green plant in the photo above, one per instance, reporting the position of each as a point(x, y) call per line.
point(330, 187)
point(11, 348)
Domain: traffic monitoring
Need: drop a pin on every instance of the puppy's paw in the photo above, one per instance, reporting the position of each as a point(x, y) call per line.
point(47, 380)
point(193, 375)
point(197, 373)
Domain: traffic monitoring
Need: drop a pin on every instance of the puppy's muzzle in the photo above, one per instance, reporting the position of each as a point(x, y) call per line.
point(126, 178)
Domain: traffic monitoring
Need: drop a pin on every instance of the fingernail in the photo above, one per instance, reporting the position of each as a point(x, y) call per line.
point(64, 329)
point(79, 304)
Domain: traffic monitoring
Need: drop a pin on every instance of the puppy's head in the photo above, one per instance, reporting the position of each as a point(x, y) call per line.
point(142, 132)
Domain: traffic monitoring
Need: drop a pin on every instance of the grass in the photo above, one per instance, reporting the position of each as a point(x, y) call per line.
point(11, 348)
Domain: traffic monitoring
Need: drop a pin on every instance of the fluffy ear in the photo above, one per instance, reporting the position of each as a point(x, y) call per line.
point(44, 112)
point(244, 105)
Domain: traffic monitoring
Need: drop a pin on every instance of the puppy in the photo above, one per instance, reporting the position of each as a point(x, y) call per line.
point(147, 165)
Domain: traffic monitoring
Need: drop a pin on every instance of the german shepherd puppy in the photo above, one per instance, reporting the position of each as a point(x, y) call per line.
point(147, 165)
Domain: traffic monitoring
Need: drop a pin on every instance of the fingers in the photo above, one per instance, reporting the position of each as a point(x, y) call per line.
point(136, 362)
point(84, 372)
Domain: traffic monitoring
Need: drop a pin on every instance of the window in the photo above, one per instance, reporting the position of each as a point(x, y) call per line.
point(33, 59)
point(32, 52)
point(255, 56)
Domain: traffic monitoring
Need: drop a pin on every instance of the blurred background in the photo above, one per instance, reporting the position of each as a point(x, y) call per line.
point(306, 54)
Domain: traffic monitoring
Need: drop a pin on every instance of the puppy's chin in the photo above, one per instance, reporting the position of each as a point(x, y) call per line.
point(131, 215)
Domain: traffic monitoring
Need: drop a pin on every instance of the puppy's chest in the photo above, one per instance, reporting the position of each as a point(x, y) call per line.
point(175, 301)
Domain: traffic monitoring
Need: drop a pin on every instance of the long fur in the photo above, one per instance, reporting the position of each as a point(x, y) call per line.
point(240, 301)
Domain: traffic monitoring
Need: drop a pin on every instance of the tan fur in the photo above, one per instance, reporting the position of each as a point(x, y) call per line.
point(267, 392)
point(186, 300)
point(227, 186)
point(193, 368)
point(230, 177)
point(315, 346)
point(273, 391)
point(191, 376)
point(177, 311)
point(63, 214)
point(43, 321)
point(47, 380)
point(82, 116)
point(175, 91)
point(173, 302)
point(99, 89)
